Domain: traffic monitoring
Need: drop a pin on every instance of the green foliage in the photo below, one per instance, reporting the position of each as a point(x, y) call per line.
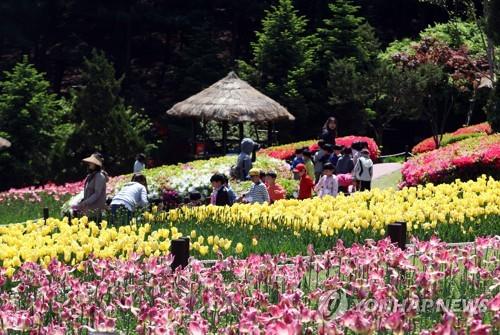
point(374, 97)
point(345, 84)
point(493, 21)
point(455, 33)
point(104, 122)
point(283, 58)
point(348, 50)
point(433, 96)
point(340, 34)
point(457, 138)
point(34, 121)
point(493, 109)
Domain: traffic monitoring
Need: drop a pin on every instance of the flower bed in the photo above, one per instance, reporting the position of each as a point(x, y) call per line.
point(375, 288)
point(181, 178)
point(286, 152)
point(465, 159)
point(472, 131)
point(195, 176)
point(455, 212)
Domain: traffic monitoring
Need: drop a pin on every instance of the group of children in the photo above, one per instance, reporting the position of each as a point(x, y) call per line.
point(333, 169)
point(264, 189)
point(330, 170)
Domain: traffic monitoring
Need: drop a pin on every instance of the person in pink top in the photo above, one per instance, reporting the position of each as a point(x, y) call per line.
point(345, 180)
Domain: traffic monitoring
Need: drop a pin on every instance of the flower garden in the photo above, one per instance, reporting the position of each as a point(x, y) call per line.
point(464, 159)
point(379, 288)
point(317, 266)
point(460, 134)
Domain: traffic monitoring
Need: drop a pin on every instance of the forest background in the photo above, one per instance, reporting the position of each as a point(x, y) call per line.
point(79, 76)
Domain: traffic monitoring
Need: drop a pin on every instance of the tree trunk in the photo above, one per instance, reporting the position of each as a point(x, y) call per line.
point(472, 102)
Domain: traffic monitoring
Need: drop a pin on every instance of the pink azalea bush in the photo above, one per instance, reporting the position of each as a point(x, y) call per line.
point(287, 151)
point(466, 159)
point(475, 130)
point(364, 289)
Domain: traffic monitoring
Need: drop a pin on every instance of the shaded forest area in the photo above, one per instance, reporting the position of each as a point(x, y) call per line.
point(165, 51)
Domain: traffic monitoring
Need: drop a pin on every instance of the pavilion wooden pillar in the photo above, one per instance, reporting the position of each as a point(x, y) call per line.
point(270, 134)
point(193, 134)
point(225, 126)
point(242, 131)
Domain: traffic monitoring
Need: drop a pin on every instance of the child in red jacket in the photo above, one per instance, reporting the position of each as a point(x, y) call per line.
point(306, 185)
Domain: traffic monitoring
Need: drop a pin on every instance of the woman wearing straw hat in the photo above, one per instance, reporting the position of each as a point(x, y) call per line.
point(94, 192)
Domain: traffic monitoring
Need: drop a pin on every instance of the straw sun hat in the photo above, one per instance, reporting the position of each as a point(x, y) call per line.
point(254, 172)
point(94, 159)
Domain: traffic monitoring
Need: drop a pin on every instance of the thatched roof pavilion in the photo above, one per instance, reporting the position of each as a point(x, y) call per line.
point(231, 100)
point(4, 143)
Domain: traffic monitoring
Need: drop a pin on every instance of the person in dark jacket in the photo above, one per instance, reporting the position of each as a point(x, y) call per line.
point(220, 195)
point(329, 131)
point(345, 163)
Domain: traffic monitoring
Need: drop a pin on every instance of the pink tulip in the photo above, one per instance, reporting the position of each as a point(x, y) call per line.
point(394, 322)
point(356, 322)
point(195, 328)
point(478, 328)
point(494, 304)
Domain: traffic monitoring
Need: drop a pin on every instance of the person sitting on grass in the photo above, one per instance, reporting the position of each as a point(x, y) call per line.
point(306, 184)
point(328, 183)
point(131, 196)
point(308, 163)
point(275, 190)
point(220, 195)
point(258, 191)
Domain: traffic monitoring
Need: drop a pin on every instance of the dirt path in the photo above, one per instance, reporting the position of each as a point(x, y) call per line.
point(383, 169)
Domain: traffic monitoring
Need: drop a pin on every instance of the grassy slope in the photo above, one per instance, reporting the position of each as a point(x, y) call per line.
point(390, 180)
point(14, 211)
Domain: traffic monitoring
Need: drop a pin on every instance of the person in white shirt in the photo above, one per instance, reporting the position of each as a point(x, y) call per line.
point(140, 163)
point(363, 170)
point(131, 196)
point(328, 183)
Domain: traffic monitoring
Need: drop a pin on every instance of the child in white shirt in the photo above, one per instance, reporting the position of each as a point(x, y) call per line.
point(328, 183)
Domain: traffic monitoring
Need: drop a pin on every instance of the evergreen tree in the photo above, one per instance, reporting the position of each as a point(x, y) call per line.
point(348, 51)
point(31, 118)
point(103, 121)
point(340, 34)
point(283, 58)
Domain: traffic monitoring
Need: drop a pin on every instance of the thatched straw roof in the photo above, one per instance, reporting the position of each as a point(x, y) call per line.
point(4, 143)
point(231, 99)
